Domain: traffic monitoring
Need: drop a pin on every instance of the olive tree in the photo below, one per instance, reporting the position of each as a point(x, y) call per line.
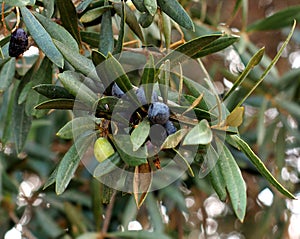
point(114, 119)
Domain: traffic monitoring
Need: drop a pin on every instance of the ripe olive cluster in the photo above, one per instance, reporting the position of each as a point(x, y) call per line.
point(158, 112)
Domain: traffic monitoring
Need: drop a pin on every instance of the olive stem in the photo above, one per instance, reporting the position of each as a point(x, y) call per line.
point(18, 20)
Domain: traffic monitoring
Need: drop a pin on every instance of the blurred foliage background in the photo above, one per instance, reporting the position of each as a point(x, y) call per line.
point(188, 208)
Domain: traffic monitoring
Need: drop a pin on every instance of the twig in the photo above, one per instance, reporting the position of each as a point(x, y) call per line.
point(3, 19)
point(108, 214)
point(25, 231)
point(180, 225)
point(18, 20)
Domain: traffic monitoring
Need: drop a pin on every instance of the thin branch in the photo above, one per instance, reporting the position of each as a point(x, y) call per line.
point(108, 214)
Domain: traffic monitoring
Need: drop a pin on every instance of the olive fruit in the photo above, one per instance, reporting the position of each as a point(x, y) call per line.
point(158, 113)
point(103, 149)
point(116, 91)
point(170, 128)
point(18, 43)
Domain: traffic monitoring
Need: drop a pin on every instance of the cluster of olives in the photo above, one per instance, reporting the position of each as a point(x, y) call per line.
point(158, 114)
point(18, 43)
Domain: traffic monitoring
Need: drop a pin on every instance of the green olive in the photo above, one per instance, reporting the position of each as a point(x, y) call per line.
point(103, 149)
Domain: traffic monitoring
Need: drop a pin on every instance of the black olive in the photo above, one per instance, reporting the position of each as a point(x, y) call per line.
point(18, 43)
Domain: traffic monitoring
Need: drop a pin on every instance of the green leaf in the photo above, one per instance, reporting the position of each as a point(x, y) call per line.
point(116, 73)
point(93, 14)
point(130, 19)
point(235, 118)
point(7, 74)
point(24, 94)
point(200, 134)
point(53, 91)
point(49, 7)
point(148, 78)
point(57, 32)
point(216, 46)
point(9, 107)
point(277, 20)
point(70, 161)
point(78, 61)
point(19, 3)
point(270, 66)
point(151, 6)
point(201, 114)
point(106, 43)
point(209, 99)
point(106, 104)
point(43, 75)
point(76, 127)
point(61, 104)
point(98, 57)
point(107, 166)
point(261, 124)
point(82, 6)
point(91, 38)
point(215, 173)
point(51, 179)
point(174, 139)
point(42, 38)
point(234, 183)
point(146, 19)
point(69, 18)
point(72, 82)
point(164, 80)
point(155, 213)
point(125, 149)
point(255, 60)
point(189, 49)
point(138, 235)
point(185, 160)
point(21, 122)
point(139, 4)
point(175, 11)
point(4, 41)
point(140, 134)
point(97, 206)
point(7, 113)
point(167, 29)
point(121, 35)
point(244, 147)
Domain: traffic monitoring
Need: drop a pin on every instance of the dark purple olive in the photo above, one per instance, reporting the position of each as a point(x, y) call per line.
point(116, 91)
point(170, 128)
point(18, 43)
point(158, 113)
